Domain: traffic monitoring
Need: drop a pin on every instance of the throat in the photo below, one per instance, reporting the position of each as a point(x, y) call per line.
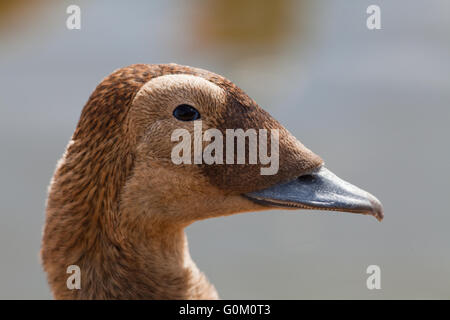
point(156, 266)
point(153, 267)
point(135, 261)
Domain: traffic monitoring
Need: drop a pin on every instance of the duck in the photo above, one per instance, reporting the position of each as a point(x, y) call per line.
point(117, 205)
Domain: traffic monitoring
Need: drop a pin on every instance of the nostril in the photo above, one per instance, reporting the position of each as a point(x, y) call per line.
point(307, 178)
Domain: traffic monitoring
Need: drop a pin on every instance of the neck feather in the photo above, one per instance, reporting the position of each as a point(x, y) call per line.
point(122, 252)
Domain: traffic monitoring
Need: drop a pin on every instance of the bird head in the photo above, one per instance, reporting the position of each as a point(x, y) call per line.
point(170, 127)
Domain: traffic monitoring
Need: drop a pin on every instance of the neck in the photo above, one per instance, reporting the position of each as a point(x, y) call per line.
point(133, 264)
point(122, 252)
point(148, 265)
point(157, 261)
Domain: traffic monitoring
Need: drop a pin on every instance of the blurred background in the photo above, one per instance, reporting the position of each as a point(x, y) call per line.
point(375, 104)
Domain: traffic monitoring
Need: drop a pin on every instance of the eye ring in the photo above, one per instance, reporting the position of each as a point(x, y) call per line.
point(185, 112)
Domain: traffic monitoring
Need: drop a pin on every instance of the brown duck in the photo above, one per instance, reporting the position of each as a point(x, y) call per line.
point(118, 206)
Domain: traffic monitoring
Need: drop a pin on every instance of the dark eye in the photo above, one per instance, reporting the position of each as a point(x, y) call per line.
point(185, 112)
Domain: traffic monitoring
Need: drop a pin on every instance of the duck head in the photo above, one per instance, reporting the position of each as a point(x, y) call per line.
point(171, 105)
point(120, 196)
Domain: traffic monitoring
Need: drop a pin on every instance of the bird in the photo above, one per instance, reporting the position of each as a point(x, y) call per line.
point(117, 204)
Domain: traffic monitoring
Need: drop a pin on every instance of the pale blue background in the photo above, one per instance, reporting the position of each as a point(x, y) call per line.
point(374, 104)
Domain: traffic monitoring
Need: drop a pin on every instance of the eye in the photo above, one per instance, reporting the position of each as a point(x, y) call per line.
point(185, 112)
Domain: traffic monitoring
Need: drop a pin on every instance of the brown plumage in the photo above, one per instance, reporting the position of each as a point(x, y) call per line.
point(118, 206)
